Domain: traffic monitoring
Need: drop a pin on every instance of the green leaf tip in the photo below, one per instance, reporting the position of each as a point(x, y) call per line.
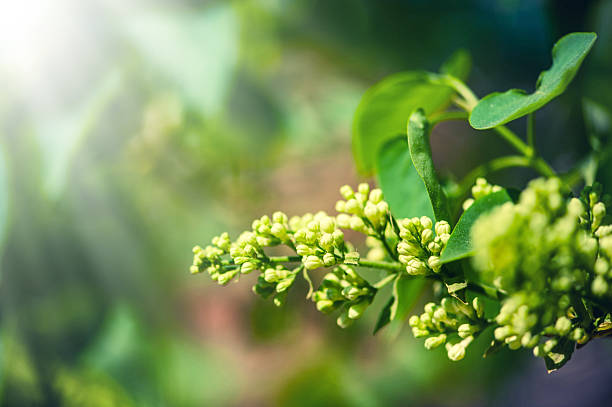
point(459, 245)
point(420, 152)
point(499, 108)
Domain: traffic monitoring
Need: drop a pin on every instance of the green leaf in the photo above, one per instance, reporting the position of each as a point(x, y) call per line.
point(400, 182)
point(560, 355)
point(384, 109)
point(385, 316)
point(459, 245)
point(406, 290)
point(499, 108)
point(459, 65)
point(420, 152)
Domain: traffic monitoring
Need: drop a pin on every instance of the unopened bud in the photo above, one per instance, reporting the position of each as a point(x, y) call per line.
point(434, 341)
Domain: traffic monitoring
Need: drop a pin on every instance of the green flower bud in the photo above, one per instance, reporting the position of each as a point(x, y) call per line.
point(247, 267)
point(279, 230)
point(418, 332)
point(599, 212)
point(478, 306)
point(279, 217)
point(434, 247)
point(501, 333)
point(356, 310)
point(382, 208)
point(364, 189)
point(353, 207)
point(440, 315)
point(426, 236)
point(416, 267)
point(430, 308)
point(194, 269)
point(357, 224)
point(442, 228)
point(338, 237)
point(341, 206)
point(325, 306)
point(408, 249)
point(434, 263)
point(285, 284)
point(263, 229)
point(347, 192)
point(426, 222)
point(549, 345)
point(304, 250)
point(250, 249)
point(578, 335)
point(344, 321)
point(329, 259)
point(312, 262)
point(575, 207)
point(599, 286)
point(434, 341)
point(371, 213)
point(240, 260)
point(466, 330)
point(313, 226)
point(376, 196)
point(264, 241)
point(271, 275)
point(344, 221)
point(227, 276)
point(529, 341)
point(327, 225)
point(563, 326)
point(455, 352)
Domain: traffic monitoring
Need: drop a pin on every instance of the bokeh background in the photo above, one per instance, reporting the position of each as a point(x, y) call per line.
point(131, 130)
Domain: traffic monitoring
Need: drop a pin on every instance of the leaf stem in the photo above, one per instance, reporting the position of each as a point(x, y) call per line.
point(445, 116)
point(514, 140)
point(380, 284)
point(531, 131)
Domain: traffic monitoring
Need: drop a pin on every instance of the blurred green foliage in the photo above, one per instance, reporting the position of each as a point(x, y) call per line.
point(129, 130)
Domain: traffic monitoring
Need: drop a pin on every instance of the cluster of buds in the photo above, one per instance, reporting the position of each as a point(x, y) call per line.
point(526, 321)
point(210, 259)
point(421, 243)
point(539, 244)
point(276, 281)
point(592, 213)
point(320, 242)
point(451, 323)
point(344, 289)
point(363, 210)
point(481, 188)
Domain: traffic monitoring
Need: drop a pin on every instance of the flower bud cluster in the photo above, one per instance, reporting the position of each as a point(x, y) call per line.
point(542, 251)
point(421, 243)
point(344, 289)
point(275, 281)
point(320, 242)
point(451, 323)
point(592, 213)
point(363, 210)
point(538, 244)
point(481, 188)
